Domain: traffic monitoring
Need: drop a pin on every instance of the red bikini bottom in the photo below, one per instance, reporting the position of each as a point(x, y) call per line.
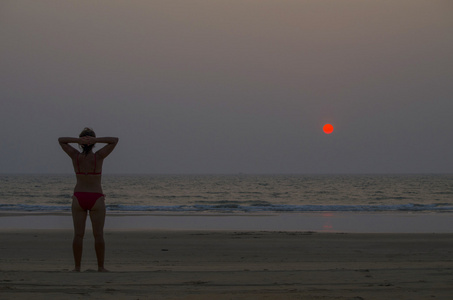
point(87, 199)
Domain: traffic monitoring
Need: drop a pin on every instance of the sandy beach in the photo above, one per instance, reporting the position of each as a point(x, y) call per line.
point(177, 264)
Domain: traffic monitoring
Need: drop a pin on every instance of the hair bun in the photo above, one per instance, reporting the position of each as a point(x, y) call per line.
point(87, 132)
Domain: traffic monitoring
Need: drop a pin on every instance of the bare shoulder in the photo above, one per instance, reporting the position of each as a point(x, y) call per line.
point(67, 148)
point(105, 151)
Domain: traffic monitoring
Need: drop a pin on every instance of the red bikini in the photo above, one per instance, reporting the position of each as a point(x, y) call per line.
point(87, 173)
point(87, 199)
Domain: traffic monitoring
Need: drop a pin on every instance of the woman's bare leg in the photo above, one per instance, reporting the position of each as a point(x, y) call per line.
point(97, 216)
point(79, 217)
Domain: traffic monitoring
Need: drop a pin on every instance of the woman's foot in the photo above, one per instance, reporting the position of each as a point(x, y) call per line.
point(102, 269)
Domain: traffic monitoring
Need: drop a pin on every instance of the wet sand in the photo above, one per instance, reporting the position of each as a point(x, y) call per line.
point(350, 222)
point(206, 264)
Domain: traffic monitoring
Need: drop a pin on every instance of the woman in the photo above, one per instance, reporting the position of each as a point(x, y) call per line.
point(88, 195)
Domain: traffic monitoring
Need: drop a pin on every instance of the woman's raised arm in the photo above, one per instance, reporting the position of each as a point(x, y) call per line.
point(64, 143)
point(107, 149)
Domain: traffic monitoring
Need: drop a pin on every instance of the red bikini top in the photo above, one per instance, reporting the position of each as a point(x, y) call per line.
point(87, 173)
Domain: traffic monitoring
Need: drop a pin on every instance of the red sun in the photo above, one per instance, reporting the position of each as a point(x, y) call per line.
point(328, 128)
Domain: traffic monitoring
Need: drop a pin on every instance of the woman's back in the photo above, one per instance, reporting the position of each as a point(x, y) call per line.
point(88, 169)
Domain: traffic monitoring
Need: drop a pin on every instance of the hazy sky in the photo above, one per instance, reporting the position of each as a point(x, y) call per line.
point(229, 86)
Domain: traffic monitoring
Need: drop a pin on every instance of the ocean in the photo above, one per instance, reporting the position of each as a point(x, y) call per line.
point(237, 194)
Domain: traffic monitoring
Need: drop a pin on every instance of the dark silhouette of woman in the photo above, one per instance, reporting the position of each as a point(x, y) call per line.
point(88, 194)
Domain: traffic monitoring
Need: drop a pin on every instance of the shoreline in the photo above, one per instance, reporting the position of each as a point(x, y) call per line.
point(347, 222)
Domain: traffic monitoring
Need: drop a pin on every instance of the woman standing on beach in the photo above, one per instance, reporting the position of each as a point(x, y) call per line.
point(88, 195)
